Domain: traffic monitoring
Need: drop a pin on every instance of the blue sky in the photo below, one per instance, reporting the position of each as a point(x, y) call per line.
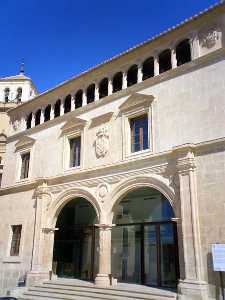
point(58, 39)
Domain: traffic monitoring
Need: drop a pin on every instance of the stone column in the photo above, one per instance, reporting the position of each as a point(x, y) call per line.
point(42, 116)
point(173, 58)
point(62, 108)
point(96, 92)
point(140, 73)
point(193, 284)
point(156, 65)
point(194, 44)
point(33, 121)
point(84, 97)
point(110, 87)
point(40, 265)
point(52, 112)
point(124, 86)
point(103, 276)
point(72, 103)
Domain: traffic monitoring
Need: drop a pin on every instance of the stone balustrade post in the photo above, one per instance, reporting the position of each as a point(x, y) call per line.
point(193, 283)
point(72, 103)
point(84, 102)
point(140, 73)
point(173, 58)
point(96, 92)
point(103, 276)
point(156, 65)
point(110, 87)
point(52, 112)
point(33, 121)
point(124, 85)
point(42, 118)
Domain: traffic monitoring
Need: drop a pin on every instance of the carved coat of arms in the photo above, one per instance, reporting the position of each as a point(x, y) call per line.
point(102, 142)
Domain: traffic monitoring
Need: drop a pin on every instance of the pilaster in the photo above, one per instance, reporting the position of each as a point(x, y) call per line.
point(173, 58)
point(72, 103)
point(84, 102)
point(52, 112)
point(33, 121)
point(62, 108)
point(42, 115)
point(192, 286)
point(41, 264)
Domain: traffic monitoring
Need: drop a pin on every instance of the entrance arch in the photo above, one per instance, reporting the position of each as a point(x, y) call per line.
point(74, 241)
point(144, 240)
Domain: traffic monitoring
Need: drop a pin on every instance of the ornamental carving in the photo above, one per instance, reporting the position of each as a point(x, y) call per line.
point(102, 191)
point(102, 142)
point(209, 38)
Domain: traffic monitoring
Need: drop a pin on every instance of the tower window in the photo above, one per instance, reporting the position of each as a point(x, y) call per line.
point(78, 99)
point(139, 133)
point(19, 94)
point(91, 93)
point(67, 104)
point(25, 158)
point(7, 91)
point(75, 147)
point(103, 88)
point(148, 68)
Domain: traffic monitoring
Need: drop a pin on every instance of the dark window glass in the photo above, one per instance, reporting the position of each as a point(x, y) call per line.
point(132, 74)
point(57, 109)
point(7, 91)
point(25, 165)
point(38, 117)
point(117, 82)
point(103, 88)
point(47, 113)
point(165, 61)
point(91, 93)
point(183, 52)
point(19, 94)
point(29, 119)
point(15, 244)
point(67, 104)
point(148, 68)
point(139, 133)
point(75, 145)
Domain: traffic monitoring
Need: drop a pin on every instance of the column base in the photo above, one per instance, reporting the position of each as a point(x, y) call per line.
point(103, 280)
point(192, 290)
point(34, 277)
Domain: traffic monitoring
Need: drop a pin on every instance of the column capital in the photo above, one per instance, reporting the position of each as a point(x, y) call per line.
point(105, 226)
point(185, 158)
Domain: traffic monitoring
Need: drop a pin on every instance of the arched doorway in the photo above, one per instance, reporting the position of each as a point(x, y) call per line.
point(144, 240)
point(74, 243)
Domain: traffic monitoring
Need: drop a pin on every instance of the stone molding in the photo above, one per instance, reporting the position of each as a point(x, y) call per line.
point(136, 100)
point(209, 37)
point(24, 142)
point(73, 125)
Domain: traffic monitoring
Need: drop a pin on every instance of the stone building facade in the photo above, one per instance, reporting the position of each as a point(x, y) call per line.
point(14, 90)
point(118, 174)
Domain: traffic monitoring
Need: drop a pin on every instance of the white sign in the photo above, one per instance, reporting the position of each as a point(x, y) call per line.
point(218, 254)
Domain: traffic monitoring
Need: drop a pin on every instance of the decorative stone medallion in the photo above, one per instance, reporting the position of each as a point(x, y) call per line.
point(102, 142)
point(102, 191)
point(209, 38)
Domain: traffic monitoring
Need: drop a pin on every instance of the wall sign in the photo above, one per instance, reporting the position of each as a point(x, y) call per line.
point(218, 254)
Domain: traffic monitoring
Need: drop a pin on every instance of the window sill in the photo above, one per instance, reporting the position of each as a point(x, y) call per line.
point(23, 180)
point(70, 170)
point(12, 260)
point(138, 154)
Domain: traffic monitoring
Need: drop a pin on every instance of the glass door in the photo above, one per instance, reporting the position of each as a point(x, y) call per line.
point(160, 255)
point(126, 253)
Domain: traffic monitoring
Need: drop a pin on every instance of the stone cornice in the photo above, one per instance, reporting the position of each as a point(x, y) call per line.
point(136, 100)
point(72, 125)
point(101, 119)
point(157, 164)
point(24, 142)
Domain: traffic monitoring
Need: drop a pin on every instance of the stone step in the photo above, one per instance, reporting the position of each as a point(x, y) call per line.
point(70, 290)
point(94, 294)
point(128, 288)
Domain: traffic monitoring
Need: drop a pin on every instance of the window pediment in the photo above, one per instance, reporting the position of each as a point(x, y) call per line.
point(101, 119)
point(75, 124)
point(24, 142)
point(135, 101)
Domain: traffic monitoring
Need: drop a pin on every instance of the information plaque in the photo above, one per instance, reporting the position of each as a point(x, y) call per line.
point(218, 255)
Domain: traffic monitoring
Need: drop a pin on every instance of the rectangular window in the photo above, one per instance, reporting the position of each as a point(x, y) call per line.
point(75, 145)
point(25, 165)
point(16, 236)
point(139, 133)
